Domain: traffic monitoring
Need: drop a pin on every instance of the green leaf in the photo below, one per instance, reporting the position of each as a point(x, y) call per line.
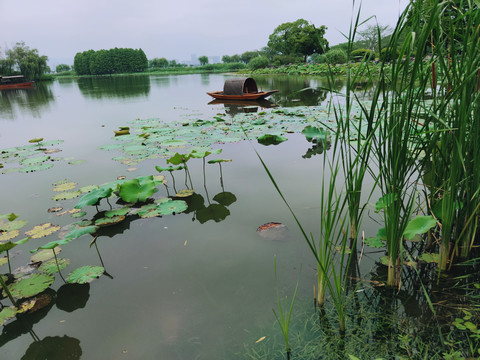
point(51, 267)
point(430, 258)
point(30, 286)
point(214, 161)
point(76, 233)
point(6, 314)
point(385, 201)
point(85, 274)
point(168, 168)
point(44, 255)
point(271, 139)
point(178, 159)
point(117, 212)
point(9, 217)
point(375, 242)
point(94, 197)
point(137, 190)
point(13, 225)
point(419, 225)
point(314, 134)
point(172, 207)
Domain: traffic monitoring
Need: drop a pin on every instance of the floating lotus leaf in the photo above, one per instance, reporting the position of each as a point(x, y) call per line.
point(314, 134)
point(225, 198)
point(88, 188)
point(85, 274)
point(44, 255)
point(30, 286)
point(137, 190)
point(202, 153)
point(117, 212)
point(51, 151)
point(271, 139)
point(67, 195)
point(111, 147)
point(9, 217)
point(7, 313)
point(52, 245)
point(375, 242)
point(26, 305)
point(3, 260)
point(77, 162)
point(35, 160)
point(107, 221)
point(148, 211)
point(13, 225)
point(159, 179)
point(79, 214)
point(29, 169)
point(65, 186)
point(168, 168)
point(35, 140)
point(94, 197)
point(42, 230)
point(172, 207)
point(10, 170)
point(8, 235)
point(185, 193)
point(55, 209)
point(51, 267)
point(419, 225)
point(76, 233)
point(385, 201)
point(162, 200)
point(52, 142)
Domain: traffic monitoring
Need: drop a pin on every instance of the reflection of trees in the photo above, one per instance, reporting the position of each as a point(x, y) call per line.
point(34, 100)
point(115, 86)
point(234, 107)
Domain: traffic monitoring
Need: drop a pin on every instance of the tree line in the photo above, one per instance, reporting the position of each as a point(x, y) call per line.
point(21, 59)
point(113, 61)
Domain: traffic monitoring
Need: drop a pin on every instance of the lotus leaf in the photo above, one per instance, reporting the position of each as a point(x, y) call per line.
point(67, 195)
point(172, 207)
point(55, 209)
point(185, 193)
point(117, 212)
point(162, 200)
point(13, 225)
point(111, 147)
point(178, 159)
point(35, 160)
point(168, 168)
point(44, 255)
point(52, 142)
point(94, 197)
point(3, 260)
point(30, 286)
point(8, 235)
point(42, 230)
point(385, 201)
point(51, 266)
point(148, 211)
point(137, 190)
point(51, 245)
point(51, 151)
point(374, 242)
point(225, 198)
point(36, 168)
point(419, 225)
point(79, 214)
point(65, 186)
point(7, 313)
point(202, 153)
point(159, 179)
point(107, 221)
point(76, 233)
point(26, 305)
point(271, 139)
point(314, 134)
point(9, 217)
point(77, 162)
point(35, 140)
point(85, 274)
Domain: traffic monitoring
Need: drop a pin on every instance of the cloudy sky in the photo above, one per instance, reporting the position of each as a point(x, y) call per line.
point(172, 29)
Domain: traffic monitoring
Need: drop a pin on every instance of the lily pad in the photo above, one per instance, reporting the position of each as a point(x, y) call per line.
point(419, 225)
point(314, 134)
point(172, 207)
point(137, 190)
point(94, 197)
point(271, 139)
point(83, 230)
point(107, 221)
point(13, 225)
point(42, 230)
point(34, 168)
point(35, 160)
point(30, 286)
point(44, 255)
point(8, 235)
point(51, 267)
point(67, 195)
point(65, 186)
point(85, 274)
point(6, 314)
point(185, 193)
point(118, 212)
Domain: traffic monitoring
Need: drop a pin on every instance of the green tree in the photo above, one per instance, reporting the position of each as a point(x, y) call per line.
point(258, 62)
point(203, 60)
point(226, 59)
point(249, 55)
point(158, 63)
point(62, 68)
point(298, 38)
point(81, 62)
point(372, 36)
point(27, 61)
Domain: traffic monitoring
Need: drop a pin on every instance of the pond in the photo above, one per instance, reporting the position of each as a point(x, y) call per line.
point(200, 284)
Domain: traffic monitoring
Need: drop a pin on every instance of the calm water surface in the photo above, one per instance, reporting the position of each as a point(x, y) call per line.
point(179, 288)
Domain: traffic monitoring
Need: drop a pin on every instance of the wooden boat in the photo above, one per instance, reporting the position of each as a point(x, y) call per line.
point(14, 82)
point(241, 89)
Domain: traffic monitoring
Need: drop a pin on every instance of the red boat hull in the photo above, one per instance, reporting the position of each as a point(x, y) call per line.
point(249, 96)
point(24, 85)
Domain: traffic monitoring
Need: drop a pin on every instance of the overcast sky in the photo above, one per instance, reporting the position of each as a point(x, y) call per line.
point(172, 29)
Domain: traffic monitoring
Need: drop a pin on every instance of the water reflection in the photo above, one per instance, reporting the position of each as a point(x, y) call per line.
point(53, 348)
point(115, 86)
point(234, 107)
point(31, 101)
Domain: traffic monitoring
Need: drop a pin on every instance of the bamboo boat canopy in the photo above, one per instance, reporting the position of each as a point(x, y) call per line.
point(240, 86)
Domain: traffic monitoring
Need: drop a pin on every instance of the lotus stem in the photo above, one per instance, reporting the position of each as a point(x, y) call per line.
point(9, 294)
point(9, 265)
point(58, 266)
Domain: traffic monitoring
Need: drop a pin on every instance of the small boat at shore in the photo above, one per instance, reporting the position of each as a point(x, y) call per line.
point(241, 89)
point(14, 82)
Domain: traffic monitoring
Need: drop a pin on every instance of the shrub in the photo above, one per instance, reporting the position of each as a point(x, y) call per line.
point(336, 56)
point(258, 62)
point(280, 60)
point(388, 54)
point(360, 54)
